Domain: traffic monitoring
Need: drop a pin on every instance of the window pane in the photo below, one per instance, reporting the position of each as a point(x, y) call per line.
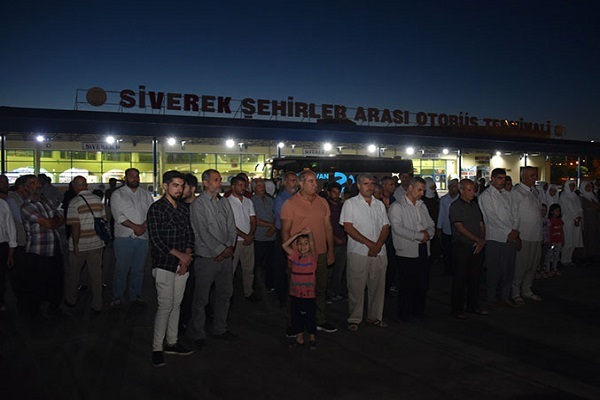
point(19, 162)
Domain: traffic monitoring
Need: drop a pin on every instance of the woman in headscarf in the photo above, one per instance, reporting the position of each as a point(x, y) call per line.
point(432, 201)
point(572, 214)
point(551, 196)
point(591, 221)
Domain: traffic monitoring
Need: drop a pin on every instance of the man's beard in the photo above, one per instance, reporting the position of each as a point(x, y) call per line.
point(132, 185)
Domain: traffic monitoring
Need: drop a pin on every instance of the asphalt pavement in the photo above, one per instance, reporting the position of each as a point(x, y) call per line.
point(544, 350)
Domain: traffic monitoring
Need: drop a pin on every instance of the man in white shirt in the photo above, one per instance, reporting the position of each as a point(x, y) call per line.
point(366, 222)
point(444, 227)
point(8, 243)
point(412, 230)
point(526, 200)
point(129, 205)
point(245, 224)
point(502, 239)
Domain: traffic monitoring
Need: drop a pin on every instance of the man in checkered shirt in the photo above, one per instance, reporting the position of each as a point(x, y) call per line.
point(42, 250)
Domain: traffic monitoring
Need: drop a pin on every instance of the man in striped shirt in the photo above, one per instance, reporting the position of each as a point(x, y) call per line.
point(84, 245)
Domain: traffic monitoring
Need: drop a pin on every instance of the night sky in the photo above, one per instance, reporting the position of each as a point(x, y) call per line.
point(532, 59)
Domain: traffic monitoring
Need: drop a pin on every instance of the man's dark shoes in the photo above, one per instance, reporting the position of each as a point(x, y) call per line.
point(158, 359)
point(139, 302)
point(253, 298)
point(227, 336)
point(178, 349)
point(200, 343)
point(511, 304)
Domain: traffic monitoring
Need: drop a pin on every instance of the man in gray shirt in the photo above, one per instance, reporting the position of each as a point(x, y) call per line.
point(215, 238)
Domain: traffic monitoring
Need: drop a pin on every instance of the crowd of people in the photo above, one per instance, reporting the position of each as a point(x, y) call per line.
point(305, 244)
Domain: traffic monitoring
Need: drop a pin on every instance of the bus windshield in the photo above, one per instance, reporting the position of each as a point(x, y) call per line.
point(343, 169)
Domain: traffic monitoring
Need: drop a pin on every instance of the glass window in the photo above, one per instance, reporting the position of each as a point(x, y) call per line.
point(253, 164)
point(120, 157)
point(228, 165)
point(203, 161)
point(19, 162)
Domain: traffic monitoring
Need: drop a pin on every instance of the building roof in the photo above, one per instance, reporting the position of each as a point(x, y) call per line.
point(24, 123)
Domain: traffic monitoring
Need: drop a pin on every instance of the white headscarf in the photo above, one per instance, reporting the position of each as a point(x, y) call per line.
point(585, 194)
point(429, 191)
point(549, 199)
point(567, 192)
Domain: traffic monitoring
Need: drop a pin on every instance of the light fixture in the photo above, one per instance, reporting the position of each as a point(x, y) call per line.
point(498, 153)
point(445, 151)
point(281, 145)
point(372, 148)
point(230, 143)
point(171, 141)
point(410, 151)
point(110, 139)
point(40, 138)
point(327, 146)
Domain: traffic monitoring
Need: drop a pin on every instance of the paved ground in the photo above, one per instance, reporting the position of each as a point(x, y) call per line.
point(546, 350)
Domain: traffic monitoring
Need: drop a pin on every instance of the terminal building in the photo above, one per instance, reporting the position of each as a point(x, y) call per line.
point(110, 131)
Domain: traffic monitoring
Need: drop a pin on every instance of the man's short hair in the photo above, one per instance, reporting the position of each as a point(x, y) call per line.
point(334, 185)
point(388, 178)
point(255, 182)
point(77, 179)
point(128, 170)
point(44, 178)
point(170, 175)
point(206, 174)
point(527, 168)
point(498, 171)
point(190, 180)
point(285, 176)
point(453, 181)
point(365, 175)
point(302, 175)
point(416, 179)
point(237, 179)
point(464, 182)
point(244, 176)
point(23, 179)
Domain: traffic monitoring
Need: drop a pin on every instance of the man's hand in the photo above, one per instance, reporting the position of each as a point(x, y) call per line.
point(513, 236)
point(248, 240)
point(330, 257)
point(426, 236)
point(479, 246)
point(228, 252)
